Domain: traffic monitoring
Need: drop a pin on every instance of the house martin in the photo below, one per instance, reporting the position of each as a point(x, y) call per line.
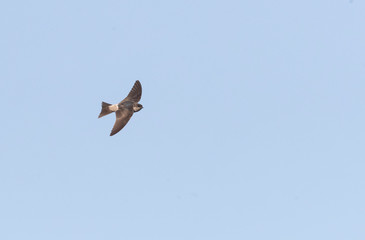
point(125, 109)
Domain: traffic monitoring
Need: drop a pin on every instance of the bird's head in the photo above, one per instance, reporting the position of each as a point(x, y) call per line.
point(137, 107)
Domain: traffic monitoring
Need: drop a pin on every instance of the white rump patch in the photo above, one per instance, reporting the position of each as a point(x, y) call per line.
point(114, 107)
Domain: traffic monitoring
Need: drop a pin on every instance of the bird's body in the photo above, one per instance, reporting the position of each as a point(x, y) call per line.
point(125, 109)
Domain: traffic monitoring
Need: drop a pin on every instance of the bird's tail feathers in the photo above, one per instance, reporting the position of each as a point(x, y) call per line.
point(105, 110)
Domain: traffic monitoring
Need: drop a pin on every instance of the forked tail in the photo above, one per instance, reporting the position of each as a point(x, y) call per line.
point(105, 110)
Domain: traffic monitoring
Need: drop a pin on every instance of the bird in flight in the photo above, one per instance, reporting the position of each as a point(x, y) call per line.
point(125, 109)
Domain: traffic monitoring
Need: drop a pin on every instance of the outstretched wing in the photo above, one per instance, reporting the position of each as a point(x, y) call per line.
point(123, 116)
point(135, 94)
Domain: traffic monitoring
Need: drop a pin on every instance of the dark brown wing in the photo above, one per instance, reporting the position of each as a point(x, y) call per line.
point(135, 94)
point(123, 116)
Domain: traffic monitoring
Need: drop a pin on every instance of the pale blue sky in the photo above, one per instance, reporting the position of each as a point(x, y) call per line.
point(252, 127)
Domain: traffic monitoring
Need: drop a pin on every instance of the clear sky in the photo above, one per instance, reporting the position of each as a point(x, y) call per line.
point(252, 127)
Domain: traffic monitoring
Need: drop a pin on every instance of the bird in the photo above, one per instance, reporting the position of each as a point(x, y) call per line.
point(125, 109)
